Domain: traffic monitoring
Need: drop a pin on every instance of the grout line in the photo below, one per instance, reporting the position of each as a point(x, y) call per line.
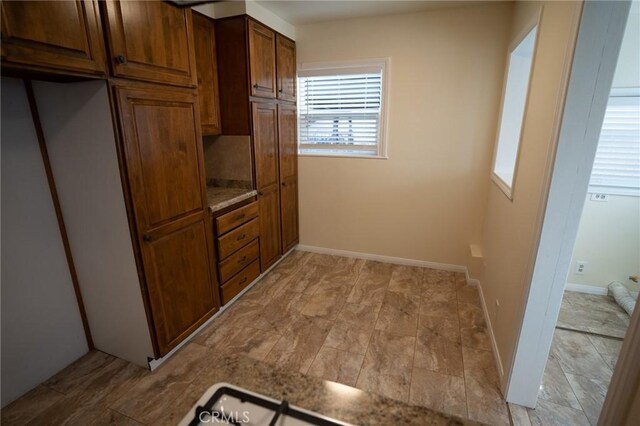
point(464, 370)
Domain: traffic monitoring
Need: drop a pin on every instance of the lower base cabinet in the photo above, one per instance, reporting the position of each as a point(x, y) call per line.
point(179, 283)
point(238, 243)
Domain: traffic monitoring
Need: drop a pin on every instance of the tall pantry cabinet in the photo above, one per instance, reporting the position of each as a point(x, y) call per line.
point(162, 143)
point(257, 97)
point(145, 53)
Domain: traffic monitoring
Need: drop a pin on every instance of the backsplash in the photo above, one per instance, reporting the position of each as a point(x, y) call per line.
point(227, 161)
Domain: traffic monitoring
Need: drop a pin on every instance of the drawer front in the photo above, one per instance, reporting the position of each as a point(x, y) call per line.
point(238, 238)
point(237, 261)
point(242, 279)
point(227, 222)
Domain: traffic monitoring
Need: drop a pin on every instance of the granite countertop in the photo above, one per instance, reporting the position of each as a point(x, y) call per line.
point(221, 197)
point(330, 399)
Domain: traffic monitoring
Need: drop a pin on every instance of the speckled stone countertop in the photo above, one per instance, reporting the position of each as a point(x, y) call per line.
point(219, 197)
point(331, 399)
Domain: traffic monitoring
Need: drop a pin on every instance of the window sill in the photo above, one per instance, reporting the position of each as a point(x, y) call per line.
point(506, 189)
point(365, 157)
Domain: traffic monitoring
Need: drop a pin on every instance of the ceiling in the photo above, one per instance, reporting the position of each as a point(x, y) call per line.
point(310, 11)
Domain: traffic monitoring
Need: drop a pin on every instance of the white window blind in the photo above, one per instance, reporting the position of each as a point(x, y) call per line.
point(340, 109)
point(616, 169)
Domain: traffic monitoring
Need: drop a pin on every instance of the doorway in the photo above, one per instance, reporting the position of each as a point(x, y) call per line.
point(562, 352)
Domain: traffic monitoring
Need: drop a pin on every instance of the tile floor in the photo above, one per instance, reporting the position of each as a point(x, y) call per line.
point(592, 313)
point(579, 368)
point(408, 333)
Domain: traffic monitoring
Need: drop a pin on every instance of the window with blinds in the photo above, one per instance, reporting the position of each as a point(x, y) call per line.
point(616, 169)
point(341, 109)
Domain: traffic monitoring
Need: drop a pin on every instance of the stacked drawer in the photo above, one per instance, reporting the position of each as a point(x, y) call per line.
point(238, 249)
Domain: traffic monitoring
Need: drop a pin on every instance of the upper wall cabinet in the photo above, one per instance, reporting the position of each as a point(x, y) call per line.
point(253, 61)
point(151, 41)
point(206, 63)
point(63, 35)
point(262, 60)
point(286, 68)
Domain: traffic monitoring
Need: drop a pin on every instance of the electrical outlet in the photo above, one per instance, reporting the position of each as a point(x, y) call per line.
point(581, 266)
point(598, 197)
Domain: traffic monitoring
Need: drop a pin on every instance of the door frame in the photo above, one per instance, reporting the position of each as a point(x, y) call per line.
point(598, 43)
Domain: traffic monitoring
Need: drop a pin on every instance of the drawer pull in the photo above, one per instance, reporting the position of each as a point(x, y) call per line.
point(240, 216)
point(120, 59)
point(241, 237)
point(244, 280)
point(146, 238)
point(242, 259)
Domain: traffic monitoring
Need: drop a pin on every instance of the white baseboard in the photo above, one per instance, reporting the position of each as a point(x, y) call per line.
point(494, 345)
point(387, 259)
point(583, 288)
point(155, 363)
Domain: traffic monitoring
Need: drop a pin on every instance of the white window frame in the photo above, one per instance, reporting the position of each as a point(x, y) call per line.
point(385, 65)
point(507, 189)
point(623, 92)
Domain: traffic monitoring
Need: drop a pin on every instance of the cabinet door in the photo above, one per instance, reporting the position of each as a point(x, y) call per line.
point(265, 142)
point(151, 41)
point(206, 64)
point(164, 160)
point(64, 35)
point(262, 60)
point(179, 279)
point(289, 213)
point(286, 69)
point(269, 203)
point(288, 155)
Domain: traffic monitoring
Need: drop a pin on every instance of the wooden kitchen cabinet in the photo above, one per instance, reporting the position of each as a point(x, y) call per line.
point(207, 67)
point(269, 202)
point(53, 35)
point(265, 142)
point(165, 168)
point(288, 162)
point(262, 60)
point(151, 41)
point(286, 68)
point(250, 52)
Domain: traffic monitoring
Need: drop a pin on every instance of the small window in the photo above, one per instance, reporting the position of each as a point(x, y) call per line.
point(514, 99)
point(616, 169)
point(341, 109)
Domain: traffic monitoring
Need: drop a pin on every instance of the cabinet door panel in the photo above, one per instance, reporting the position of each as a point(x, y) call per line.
point(286, 68)
point(262, 59)
point(178, 276)
point(287, 141)
point(151, 40)
point(269, 202)
point(289, 213)
point(288, 154)
point(265, 141)
point(163, 145)
point(206, 63)
point(60, 34)
point(165, 169)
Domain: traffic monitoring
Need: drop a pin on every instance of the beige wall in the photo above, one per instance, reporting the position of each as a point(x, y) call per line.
point(427, 200)
point(609, 233)
point(511, 227)
point(609, 240)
